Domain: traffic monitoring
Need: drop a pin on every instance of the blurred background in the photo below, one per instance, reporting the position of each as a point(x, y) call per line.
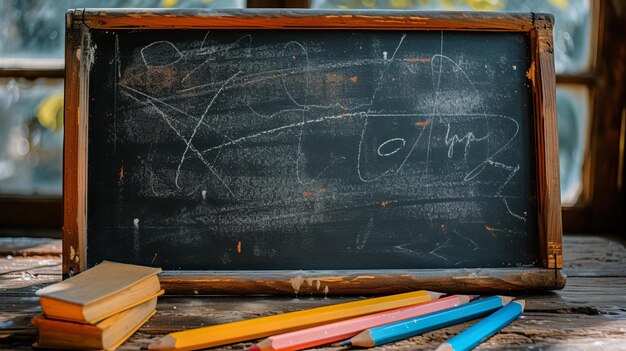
point(590, 111)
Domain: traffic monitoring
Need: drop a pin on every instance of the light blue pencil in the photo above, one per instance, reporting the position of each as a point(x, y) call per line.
point(481, 331)
point(432, 321)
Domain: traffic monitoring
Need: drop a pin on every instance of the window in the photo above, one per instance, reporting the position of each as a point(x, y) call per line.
point(31, 133)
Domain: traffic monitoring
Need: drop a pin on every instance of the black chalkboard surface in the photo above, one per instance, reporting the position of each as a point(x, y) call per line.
point(345, 149)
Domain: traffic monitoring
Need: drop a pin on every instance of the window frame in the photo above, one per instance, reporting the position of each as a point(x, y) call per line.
point(601, 205)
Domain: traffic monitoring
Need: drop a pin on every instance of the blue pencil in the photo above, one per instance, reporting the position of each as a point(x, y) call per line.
point(482, 330)
point(432, 321)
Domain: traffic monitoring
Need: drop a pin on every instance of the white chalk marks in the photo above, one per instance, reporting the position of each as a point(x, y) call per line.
point(160, 53)
point(292, 108)
point(390, 147)
point(361, 239)
point(467, 139)
point(195, 130)
point(320, 149)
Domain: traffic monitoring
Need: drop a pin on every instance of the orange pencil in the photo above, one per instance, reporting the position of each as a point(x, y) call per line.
point(328, 333)
point(265, 326)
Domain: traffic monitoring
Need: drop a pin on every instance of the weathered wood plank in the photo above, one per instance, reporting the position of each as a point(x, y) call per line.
point(23, 246)
point(275, 19)
point(73, 174)
point(322, 283)
point(542, 75)
point(583, 295)
point(25, 279)
point(593, 256)
point(581, 311)
point(589, 313)
point(33, 264)
point(534, 329)
point(591, 296)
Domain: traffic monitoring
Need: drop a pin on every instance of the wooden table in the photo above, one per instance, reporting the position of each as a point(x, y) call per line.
point(589, 314)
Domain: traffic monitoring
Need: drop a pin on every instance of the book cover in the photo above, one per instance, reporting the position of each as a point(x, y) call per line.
point(99, 292)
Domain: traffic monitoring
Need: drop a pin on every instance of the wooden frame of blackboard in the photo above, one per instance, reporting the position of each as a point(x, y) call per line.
point(539, 27)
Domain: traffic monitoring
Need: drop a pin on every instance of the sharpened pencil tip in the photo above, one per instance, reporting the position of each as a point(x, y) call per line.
point(254, 348)
point(464, 298)
point(506, 299)
point(434, 295)
point(474, 297)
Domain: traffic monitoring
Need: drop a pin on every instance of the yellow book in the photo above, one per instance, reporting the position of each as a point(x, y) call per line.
point(265, 326)
point(99, 292)
point(105, 335)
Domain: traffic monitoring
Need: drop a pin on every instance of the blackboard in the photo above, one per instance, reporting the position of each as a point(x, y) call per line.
point(217, 149)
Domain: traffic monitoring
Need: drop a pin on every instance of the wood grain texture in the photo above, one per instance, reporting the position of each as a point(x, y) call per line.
point(542, 75)
point(70, 148)
point(586, 315)
point(85, 57)
point(322, 283)
point(551, 197)
point(302, 19)
point(590, 256)
point(24, 246)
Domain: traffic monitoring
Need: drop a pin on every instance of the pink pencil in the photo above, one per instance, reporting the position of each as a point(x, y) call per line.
point(328, 333)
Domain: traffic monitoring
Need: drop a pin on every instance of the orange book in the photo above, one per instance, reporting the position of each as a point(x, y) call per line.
point(105, 335)
point(99, 292)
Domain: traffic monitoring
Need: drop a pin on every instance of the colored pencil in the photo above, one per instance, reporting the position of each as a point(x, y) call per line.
point(328, 333)
point(415, 326)
point(229, 333)
point(481, 331)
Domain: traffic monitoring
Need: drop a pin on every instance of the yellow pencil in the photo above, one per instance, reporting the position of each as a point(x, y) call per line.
point(265, 326)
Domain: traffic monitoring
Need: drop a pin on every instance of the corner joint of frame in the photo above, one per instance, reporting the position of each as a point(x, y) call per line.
point(543, 26)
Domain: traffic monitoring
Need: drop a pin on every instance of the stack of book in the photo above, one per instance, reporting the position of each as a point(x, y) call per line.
point(97, 309)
